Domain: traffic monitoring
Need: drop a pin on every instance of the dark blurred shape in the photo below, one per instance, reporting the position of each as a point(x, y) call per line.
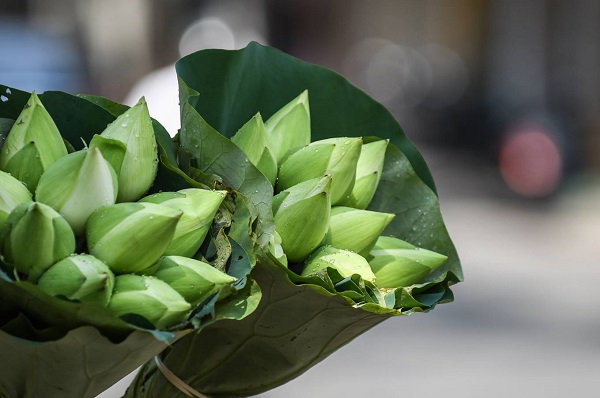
point(13, 7)
point(35, 60)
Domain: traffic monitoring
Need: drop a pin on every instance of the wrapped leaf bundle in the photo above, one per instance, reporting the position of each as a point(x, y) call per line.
point(108, 251)
point(358, 234)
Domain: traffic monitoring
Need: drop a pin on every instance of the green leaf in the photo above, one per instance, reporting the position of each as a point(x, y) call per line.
point(82, 363)
point(5, 125)
point(43, 309)
point(114, 108)
point(234, 85)
point(213, 153)
point(77, 119)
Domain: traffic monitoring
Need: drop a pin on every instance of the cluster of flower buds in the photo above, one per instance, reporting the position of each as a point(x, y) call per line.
point(79, 227)
point(322, 192)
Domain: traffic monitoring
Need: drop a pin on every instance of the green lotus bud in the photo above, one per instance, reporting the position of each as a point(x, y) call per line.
point(252, 139)
point(347, 263)
point(289, 127)
point(32, 145)
point(12, 193)
point(113, 151)
point(148, 297)
point(36, 237)
point(194, 280)
point(130, 237)
point(78, 184)
point(354, 229)
point(336, 157)
point(301, 215)
point(368, 174)
point(397, 263)
point(199, 207)
point(140, 162)
point(79, 277)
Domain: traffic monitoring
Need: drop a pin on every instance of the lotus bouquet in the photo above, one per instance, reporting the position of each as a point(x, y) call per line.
point(289, 215)
point(358, 236)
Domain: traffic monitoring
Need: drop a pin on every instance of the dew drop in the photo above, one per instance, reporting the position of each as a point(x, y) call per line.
point(3, 98)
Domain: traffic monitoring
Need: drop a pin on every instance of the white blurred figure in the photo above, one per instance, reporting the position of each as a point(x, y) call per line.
point(221, 28)
point(161, 93)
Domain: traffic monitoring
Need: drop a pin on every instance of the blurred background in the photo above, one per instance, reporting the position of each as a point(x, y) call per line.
point(501, 96)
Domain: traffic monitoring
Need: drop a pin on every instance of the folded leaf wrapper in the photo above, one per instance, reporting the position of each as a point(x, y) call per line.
point(53, 347)
point(300, 320)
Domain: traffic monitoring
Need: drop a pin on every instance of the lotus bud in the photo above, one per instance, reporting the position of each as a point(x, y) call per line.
point(336, 157)
point(113, 151)
point(275, 251)
point(148, 297)
point(354, 229)
point(252, 139)
point(36, 237)
point(368, 174)
point(32, 144)
point(301, 216)
point(12, 193)
point(194, 280)
point(289, 127)
point(79, 277)
point(199, 207)
point(397, 263)
point(130, 237)
point(347, 263)
point(78, 184)
point(140, 162)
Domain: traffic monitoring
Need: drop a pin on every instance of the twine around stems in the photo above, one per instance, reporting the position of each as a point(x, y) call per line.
point(176, 381)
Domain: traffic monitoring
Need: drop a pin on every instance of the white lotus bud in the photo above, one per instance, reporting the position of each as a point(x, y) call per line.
point(78, 184)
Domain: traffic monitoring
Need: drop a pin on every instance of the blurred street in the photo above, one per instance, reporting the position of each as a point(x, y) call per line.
point(524, 323)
